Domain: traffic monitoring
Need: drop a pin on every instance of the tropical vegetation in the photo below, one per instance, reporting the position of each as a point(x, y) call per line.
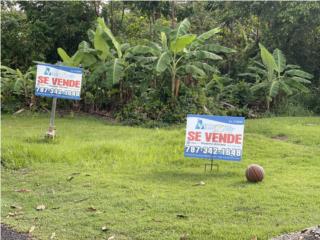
point(154, 62)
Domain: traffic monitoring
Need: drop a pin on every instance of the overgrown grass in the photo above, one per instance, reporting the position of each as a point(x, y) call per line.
point(138, 181)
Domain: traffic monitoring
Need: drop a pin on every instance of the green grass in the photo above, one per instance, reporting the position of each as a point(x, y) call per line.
point(138, 180)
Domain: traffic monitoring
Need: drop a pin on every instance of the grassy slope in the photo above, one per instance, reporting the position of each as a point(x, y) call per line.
point(139, 181)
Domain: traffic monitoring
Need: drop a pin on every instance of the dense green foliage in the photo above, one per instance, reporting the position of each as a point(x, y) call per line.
point(157, 61)
point(39, 28)
point(275, 78)
point(138, 181)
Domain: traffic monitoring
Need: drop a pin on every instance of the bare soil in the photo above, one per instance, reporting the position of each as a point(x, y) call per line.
point(312, 233)
point(9, 234)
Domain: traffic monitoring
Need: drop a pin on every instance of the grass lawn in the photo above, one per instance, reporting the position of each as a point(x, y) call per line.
point(135, 181)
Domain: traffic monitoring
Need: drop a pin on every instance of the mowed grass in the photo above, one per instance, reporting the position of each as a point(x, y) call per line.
point(138, 181)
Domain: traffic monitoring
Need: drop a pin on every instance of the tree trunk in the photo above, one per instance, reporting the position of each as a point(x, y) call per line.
point(111, 17)
point(150, 26)
point(153, 22)
point(26, 95)
point(122, 15)
point(96, 5)
point(121, 91)
point(177, 86)
point(173, 81)
point(173, 14)
point(173, 78)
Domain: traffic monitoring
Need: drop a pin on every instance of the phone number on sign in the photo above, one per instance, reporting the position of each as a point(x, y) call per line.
point(57, 91)
point(213, 151)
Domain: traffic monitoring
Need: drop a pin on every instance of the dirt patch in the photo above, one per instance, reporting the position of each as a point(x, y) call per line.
point(281, 137)
point(312, 233)
point(9, 234)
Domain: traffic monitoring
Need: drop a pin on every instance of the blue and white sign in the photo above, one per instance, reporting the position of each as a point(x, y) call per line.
point(58, 81)
point(214, 137)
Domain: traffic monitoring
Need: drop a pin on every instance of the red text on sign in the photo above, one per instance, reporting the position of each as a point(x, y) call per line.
point(194, 136)
point(42, 79)
point(223, 138)
point(65, 82)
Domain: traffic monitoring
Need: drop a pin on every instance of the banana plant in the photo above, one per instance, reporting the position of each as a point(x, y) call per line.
point(17, 82)
point(108, 63)
point(104, 56)
point(105, 60)
point(275, 77)
point(181, 53)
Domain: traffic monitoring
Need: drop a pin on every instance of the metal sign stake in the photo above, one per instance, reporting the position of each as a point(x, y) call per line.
point(52, 131)
point(211, 164)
